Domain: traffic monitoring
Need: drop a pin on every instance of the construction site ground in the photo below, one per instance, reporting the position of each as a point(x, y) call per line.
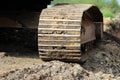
point(18, 61)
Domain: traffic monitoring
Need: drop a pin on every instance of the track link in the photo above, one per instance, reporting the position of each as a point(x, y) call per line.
point(59, 34)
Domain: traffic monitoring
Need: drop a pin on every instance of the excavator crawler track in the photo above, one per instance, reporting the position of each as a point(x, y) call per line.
point(59, 34)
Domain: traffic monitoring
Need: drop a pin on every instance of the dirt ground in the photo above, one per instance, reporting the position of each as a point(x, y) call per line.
point(103, 64)
point(18, 62)
point(8, 63)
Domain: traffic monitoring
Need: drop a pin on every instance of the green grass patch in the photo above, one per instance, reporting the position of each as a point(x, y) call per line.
point(107, 13)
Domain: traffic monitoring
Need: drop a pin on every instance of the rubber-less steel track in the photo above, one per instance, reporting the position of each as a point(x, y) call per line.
point(59, 33)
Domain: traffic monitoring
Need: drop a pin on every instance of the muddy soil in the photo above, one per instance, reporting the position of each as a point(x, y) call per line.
point(22, 63)
point(101, 65)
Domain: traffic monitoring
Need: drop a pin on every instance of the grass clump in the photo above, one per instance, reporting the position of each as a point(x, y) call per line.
point(107, 13)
